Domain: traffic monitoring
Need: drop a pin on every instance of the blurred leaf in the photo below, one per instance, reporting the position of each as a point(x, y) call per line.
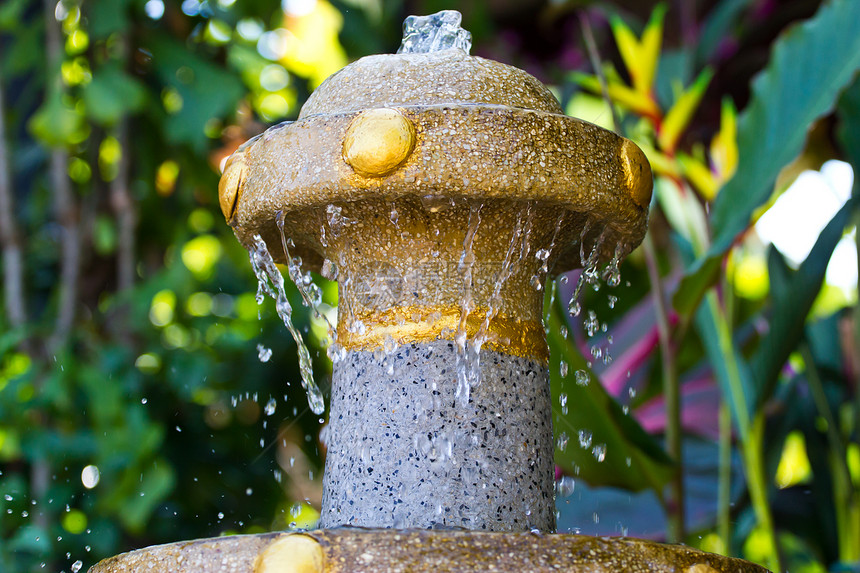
point(11, 14)
point(57, 124)
point(206, 91)
point(621, 94)
point(640, 57)
point(675, 70)
point(677, 118)
point(684, 212)
point(633, 459)
point(810, 64)
point(724, 145)
point(728, 365)
point(153, 486)
point(106, 17)
point(661, 163)
point(848, 131)
point(699, 175)
point(111, 94)
point(717, 27)
point(793, 295)
point(641, 514)
point(652, 39)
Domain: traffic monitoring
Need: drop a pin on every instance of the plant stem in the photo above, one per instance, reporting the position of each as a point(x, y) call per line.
point(671, 395)
point(751, 431)
point(846, 499)
point(594, 58)
point(10, 237)
point(64, 200)
point(725, 477)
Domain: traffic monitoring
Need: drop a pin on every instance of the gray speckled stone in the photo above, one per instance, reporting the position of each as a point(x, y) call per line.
point(404, 452)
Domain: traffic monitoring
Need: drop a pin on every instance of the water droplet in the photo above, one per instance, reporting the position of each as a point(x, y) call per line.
point(90, 476)
point(295, 510)
point(591, 323)
point(584, 439)
point(581, 378)
point(599, 452)
point(143, 400)
point(220, 515)
point(263, 353)
point(565, 486)
point(561, 443)
point(77, 565)
point(8, 497)
point(270, 407)
point(562, 368)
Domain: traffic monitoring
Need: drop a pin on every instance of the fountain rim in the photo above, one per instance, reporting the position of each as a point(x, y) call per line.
point(274, 172)
point(336, 549)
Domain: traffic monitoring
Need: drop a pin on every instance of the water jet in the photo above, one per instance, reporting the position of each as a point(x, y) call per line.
point(439, 189)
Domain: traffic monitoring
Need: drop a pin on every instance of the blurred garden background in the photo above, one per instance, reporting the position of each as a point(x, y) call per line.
point(713, 398)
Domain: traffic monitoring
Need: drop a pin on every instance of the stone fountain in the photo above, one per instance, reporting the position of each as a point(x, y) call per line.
point(438, 189)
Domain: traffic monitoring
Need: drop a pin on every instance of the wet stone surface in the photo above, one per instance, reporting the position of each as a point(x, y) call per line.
point(405, 451)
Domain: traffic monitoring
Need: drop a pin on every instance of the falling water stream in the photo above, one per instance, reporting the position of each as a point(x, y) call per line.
point(270, 282)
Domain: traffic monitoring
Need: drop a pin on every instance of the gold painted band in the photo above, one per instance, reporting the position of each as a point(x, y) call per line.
point(523, 338)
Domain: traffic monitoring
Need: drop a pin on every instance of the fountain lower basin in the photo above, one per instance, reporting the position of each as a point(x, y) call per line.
point(350, 550)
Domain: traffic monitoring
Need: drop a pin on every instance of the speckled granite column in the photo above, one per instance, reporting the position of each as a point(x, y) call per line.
point(403, 452)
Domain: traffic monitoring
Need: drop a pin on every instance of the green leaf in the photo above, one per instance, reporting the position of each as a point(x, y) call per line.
point(11, 14)
point(694, 285)
point(154, 485)
point(107, 17)
point(793, 295)
point(717, 26)
point(731, 371)
point(56, 123)
point(848, 131)
point(633, 458)
point(206, 91)
point(112, 94)
point(809, 66)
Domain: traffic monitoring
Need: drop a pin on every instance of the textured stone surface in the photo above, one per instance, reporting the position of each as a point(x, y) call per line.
point(357, 550)
point(479, 152)
point(445, 77)
point(403, 451)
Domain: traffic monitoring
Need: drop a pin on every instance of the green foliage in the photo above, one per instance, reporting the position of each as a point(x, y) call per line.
point(810, 65)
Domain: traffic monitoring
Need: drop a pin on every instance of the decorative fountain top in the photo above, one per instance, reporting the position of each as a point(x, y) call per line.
point(455, 112)
point(433, 33)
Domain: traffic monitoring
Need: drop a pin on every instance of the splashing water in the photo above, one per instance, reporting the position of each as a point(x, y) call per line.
point(433, 33)
point(270, 282)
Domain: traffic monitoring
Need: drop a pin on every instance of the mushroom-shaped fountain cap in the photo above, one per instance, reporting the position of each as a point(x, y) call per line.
point(433, 121)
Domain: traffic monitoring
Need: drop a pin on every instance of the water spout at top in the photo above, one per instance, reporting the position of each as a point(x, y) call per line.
point(434, 33)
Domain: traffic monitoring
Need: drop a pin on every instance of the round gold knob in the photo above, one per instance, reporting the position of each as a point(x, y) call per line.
point(637, 173)
point(700, 568)
point(378, 141)
point(230, 185)
point(292, 553)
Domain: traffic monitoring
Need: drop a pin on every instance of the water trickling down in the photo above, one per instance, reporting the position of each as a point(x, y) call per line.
point(270, 282)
